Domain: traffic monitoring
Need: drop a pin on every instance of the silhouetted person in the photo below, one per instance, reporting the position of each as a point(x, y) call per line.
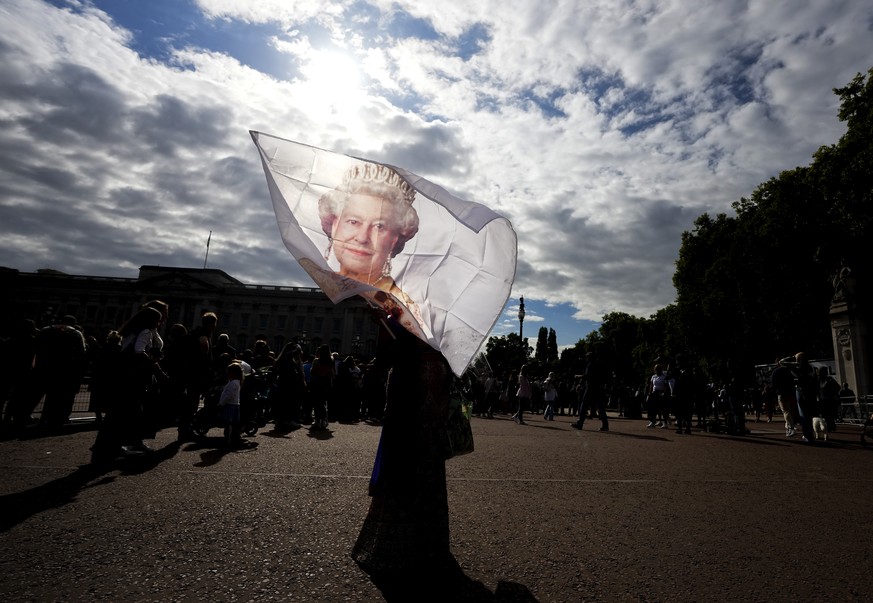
point(197, 372)
point(59, 365)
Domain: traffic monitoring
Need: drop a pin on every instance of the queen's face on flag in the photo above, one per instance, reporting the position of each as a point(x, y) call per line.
point(368, 219)
point(364, 235)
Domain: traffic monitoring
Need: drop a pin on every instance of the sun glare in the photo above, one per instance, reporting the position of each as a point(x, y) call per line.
point(332, 77)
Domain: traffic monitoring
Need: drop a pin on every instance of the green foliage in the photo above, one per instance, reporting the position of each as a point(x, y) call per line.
point(506, 353)
point(541, 353)
point(552, 347)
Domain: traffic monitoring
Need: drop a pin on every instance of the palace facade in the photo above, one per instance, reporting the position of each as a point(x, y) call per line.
point(246, 312)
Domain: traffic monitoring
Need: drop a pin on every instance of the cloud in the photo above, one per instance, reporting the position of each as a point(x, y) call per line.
point(601, 129)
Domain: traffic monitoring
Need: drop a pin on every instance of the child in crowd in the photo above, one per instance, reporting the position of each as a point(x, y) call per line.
point(228, 404)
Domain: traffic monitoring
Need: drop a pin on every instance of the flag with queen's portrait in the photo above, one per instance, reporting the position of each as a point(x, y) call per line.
point(441, 266)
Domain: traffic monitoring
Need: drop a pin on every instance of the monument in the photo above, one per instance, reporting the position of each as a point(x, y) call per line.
point(850, 318)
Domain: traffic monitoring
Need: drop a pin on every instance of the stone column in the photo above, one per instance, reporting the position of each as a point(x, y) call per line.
point(849, 326)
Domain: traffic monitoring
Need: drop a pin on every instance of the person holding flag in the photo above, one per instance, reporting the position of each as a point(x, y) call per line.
point(437, 271)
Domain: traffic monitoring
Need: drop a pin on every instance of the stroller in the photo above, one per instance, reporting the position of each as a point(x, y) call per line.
point(728, 416)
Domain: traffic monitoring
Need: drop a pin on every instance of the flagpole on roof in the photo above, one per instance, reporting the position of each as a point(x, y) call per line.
point(208, 239)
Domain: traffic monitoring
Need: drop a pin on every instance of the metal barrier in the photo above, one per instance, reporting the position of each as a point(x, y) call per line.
point(80, 403)
point(857, 411)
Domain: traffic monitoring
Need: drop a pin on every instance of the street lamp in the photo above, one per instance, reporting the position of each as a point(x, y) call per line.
point(356, 345)
point(521, 323)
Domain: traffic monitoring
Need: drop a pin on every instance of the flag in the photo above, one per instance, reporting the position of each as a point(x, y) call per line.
point(443, 267)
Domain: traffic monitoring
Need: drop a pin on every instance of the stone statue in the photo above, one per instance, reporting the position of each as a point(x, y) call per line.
point(841, 283)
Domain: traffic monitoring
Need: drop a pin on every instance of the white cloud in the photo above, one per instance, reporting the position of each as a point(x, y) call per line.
point(602, 129)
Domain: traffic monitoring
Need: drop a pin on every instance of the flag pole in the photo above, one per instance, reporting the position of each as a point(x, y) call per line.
point(208, 239)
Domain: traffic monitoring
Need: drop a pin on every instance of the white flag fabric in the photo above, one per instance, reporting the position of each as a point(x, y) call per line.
point(443, 267)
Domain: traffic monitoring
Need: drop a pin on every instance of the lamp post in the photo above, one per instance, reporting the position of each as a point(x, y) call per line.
point(303, 341)
point(521, 327)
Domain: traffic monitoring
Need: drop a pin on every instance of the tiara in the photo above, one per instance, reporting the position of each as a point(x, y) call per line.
point(378, 174)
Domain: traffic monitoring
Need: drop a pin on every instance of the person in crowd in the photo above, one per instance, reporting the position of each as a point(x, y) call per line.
point(173, 363)
point(346, 394)
point(594, 394)
point(474, 388)
point(535, 405)
point(222, 346)
point(846, 393)
point(406, 532)
point(566, 396)
point(160, 407)
point(829, 397)
point(248, 355)
point(105, 376)
point(579, 387)
point(156, 346)
point(197, 372)
point(681, 388)
point(659, 391)
point(492, 395)
point(782, 382)
point(290, 386)
point(550, 397)
point(372, 392)
point(522, 395)
point(321, 385)
point(229, 404)
point(123, 430)
point(703, 401)
point(507, 393)
point(806, 392)
point(261, 358)
point(306, 402)
point(58, 368)
point(848, 401)
point(736, 404)
point(18, 353)
point(768, 398)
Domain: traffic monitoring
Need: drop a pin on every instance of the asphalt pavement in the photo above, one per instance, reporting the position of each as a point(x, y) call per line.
point(539, 512)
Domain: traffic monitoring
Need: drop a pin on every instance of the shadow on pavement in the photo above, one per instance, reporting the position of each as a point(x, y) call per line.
point(445, 584)
point(17, 507)
point(280, 432)
point(320, 434)
point(213, 449)
point(539, 426)
point(36, 431)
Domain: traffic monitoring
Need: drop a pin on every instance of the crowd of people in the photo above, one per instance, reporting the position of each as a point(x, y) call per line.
point(674, 396)
point(141, 381)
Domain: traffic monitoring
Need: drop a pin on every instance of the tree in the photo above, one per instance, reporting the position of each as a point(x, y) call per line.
point(843, 174)
point(506, 353)
point(552, 347)
point(542, 351)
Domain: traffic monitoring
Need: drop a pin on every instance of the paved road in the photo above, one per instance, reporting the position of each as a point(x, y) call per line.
point(539, 512)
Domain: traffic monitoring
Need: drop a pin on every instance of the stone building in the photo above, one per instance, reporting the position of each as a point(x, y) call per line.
point(245, 312)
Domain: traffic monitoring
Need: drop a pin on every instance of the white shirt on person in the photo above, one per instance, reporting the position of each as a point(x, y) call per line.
point(141, 341)
point(230, 393)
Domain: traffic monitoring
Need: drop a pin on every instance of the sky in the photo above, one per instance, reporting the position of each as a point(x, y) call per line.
point(600, 128)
